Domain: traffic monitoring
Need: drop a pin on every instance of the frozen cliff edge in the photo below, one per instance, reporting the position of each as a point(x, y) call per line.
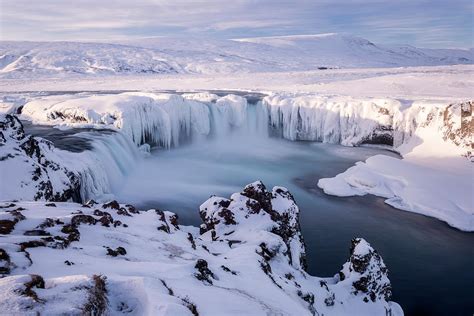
point(434, 178)
point(248, 257)
point(32, 168)
point(159, 119)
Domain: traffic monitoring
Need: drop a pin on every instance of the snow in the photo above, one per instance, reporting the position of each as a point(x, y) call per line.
point(158, 119)
point(230, 267)
point(448, 83)
point(429, 134)
point(164, 55)
point(339, 120)
point(432, 179)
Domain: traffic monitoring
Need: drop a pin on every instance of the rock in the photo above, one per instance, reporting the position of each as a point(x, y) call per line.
point(112, 204)
point(169, 221)
point(36, 158)
point(204, 273)
point(366, 272)
point(220, 214)
point(119, 251)
point(36, 282)
point(76, 220)
point(5, 262)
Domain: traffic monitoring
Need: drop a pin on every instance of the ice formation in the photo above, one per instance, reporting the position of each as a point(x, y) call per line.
point(247, 258)
point(426, 133)
point(434, 178)
point(36, 170)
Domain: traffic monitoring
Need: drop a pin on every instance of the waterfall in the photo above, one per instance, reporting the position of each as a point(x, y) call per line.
point(102, 169)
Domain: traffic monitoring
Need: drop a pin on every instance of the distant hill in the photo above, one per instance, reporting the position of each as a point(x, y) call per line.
point(165, 55)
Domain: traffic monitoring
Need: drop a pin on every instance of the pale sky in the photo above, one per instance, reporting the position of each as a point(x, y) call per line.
point(435, 23)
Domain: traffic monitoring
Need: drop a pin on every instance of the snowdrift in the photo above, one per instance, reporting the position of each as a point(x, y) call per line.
point(433, 178)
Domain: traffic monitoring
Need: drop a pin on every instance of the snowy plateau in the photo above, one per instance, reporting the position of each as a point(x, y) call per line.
point(67, 246)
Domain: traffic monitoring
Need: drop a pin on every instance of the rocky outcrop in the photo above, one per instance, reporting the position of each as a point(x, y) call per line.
point(276, 210)
point(248, 256)
point(31, 165)
point(458, 126)
point(367, 272)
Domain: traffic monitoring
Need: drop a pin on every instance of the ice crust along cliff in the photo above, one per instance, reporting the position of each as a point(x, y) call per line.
point(247, 258)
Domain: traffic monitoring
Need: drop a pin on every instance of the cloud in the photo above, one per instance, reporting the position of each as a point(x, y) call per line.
point(418, 22)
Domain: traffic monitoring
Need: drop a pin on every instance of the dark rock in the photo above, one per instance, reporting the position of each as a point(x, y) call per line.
point(226, 269)
point(36, 282)
point(191, 240)
point(5, 262)
point(36, 232)
point(83, 219)
point(119, 251)
point(97, 301)
point(6, 226)
point(204, 273)
point(112, 204)
point(31, 244)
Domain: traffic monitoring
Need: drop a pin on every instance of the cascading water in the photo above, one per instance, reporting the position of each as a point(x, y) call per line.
point(113, 155)
point(102, 169)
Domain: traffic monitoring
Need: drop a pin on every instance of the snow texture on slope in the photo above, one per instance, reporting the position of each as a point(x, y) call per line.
point(173, 56)
point(246, 259)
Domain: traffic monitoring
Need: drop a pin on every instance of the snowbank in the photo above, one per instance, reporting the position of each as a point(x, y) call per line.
point(246, 259)
point(433, 178)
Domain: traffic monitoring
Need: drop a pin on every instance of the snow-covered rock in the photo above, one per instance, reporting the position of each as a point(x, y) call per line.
point(246, 259)
point(30, 167)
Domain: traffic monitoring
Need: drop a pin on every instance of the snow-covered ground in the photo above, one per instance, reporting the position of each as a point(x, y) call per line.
point(435, 176)
point(411, 83)
point(210, 57)
point(247, 258)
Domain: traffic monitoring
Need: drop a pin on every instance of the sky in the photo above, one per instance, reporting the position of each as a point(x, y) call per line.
point(422, 23)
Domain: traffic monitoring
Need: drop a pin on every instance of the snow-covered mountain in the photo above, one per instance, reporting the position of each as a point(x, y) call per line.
point(165, 55)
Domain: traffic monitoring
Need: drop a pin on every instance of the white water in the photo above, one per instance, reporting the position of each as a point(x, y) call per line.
point(233, 124)
point(102, 169)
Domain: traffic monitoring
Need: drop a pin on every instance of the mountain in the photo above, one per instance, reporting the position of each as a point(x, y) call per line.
point(164, 55)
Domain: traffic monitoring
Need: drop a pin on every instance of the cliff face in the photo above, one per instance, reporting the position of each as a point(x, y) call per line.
point(352, 122)
point(31, 165)
point(248, 257)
